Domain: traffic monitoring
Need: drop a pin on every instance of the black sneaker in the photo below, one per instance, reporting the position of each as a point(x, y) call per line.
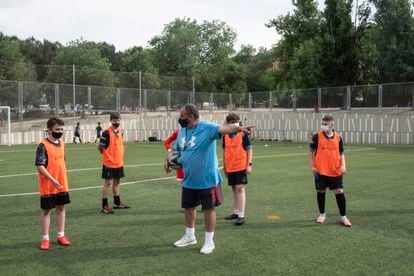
point(232, 216)
point(121, 206)
point(239, 221)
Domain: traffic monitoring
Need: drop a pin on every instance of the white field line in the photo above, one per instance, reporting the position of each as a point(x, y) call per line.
point(159, 179)
point(34, 150)
point(159, 164)
point(95, 187)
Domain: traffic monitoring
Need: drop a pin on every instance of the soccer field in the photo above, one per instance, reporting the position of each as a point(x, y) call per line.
point(379, 187)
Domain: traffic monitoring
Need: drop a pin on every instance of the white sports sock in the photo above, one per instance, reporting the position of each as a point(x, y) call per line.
point(343, 217)
point(61, 234)
point(45, 237)
point(241, 214)
point(209, 236)
point(190, 231)
point(322, 215)
point(236, 211)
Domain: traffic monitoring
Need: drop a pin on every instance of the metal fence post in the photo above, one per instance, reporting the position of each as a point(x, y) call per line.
point(348, 97)
point(74, 90)
point(230, 102)
point(145, 103)
point(193, 94)
point(90, 100)
point(319, 99)
point(56, 99)
point(168, 103)
point(294, 100)
point(380, 97)
point(118, 99)
point(270, 101)
point(20, 102)
point(250, 101)
point(211, 102)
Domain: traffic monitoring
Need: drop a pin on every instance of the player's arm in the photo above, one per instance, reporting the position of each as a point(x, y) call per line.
point(341, 151)
point(312, 149)
point(247, 145)
point(233, 128)
point(103, 142)
point(41, 161)
point(170, 139)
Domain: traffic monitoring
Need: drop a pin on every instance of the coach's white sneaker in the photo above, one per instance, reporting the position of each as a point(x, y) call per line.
point(185, 241)
point(208, 247)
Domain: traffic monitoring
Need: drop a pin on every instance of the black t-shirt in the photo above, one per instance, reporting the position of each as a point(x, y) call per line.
point(41, 153)
point(105, 140)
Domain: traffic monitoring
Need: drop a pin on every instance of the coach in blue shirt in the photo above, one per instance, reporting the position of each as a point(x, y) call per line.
point(202, 178)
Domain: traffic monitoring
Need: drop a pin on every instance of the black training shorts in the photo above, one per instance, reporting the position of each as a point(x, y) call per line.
point(112, 173)
point(208, 198)
point(237, 178)
point(50, 201)
point(332, 182)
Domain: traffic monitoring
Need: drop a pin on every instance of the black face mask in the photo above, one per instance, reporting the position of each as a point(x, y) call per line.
point(115, 125)
point(183, 122)
point(57, 135)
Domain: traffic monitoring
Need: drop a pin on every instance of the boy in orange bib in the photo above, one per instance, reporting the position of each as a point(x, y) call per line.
point(53, 181)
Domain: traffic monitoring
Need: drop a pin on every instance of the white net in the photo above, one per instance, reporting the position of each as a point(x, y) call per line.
point(5, 126)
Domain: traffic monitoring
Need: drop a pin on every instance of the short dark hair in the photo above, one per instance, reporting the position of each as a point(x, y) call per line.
point(99, 123)
point(328, 118)
point(192, 110)
point(232, 117)
point(54, 121)
point(115, 115)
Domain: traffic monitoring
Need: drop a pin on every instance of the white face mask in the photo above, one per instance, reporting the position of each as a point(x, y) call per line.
point(326, 128)
point(237, 124)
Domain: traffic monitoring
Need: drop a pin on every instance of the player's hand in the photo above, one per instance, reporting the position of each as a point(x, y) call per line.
point(343, 170)
point(249, 170)
point(57, 184)
point(314, 170)
point(247, 129)
point(167, 168)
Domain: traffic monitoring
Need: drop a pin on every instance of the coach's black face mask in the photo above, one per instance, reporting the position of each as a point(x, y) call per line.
point(183, 122)
point(57, 135)
point(115, 125)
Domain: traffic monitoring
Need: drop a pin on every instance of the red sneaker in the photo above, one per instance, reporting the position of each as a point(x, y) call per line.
point(45, 244)
point(63, 241)
point(107, 210)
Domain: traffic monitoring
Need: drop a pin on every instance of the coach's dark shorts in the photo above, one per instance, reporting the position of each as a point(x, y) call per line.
point(237, 178)
point(332, 182)
point(50, 201)
point(112, 173)
point(208, 198)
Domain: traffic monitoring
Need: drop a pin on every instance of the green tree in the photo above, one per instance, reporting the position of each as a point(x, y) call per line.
point(394, 39)
point(339, 58)
point(298, 30)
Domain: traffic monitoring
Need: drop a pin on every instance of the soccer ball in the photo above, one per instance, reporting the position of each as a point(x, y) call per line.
point(174, 159)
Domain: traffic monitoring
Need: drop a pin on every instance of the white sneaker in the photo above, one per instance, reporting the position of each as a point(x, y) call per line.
point(185, 241)
point(321, 219)
point(207, 248)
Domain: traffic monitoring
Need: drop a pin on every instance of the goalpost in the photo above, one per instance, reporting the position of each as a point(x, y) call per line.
point(7, 108)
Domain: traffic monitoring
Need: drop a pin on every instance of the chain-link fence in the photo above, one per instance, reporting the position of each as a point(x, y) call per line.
point(34, 100)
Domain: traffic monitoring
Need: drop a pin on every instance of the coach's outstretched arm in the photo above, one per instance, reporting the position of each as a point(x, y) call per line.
point(234, 128)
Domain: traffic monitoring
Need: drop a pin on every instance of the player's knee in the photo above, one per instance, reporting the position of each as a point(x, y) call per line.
point(240, 189)
point(60, 208)
point(46, 212)
point(338, 191)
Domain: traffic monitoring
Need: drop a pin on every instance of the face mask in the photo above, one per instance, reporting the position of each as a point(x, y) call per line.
point(326, 128)
point(183, 122)
point(115, 125)
point(57, 135)
point(237, 124)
